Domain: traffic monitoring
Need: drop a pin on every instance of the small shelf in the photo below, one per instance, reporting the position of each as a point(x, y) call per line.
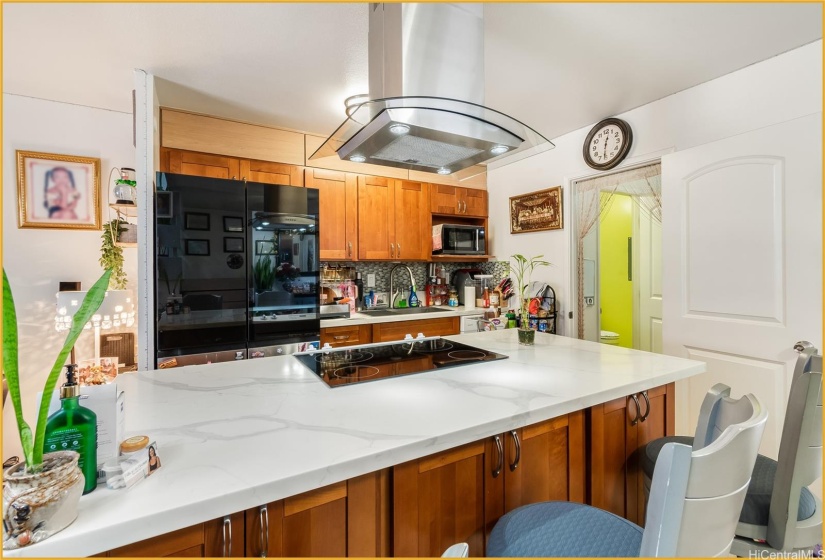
point(461, 258)
point(128, 210)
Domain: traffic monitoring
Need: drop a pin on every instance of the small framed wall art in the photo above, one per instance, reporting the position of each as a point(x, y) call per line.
point(232, 224)
point(57, 191)
point(233, 244)
point(198, 221)
point(197, 247)
point(536, 211)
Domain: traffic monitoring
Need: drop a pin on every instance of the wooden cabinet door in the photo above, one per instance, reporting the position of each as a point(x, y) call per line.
point(187, 542)
point(473, 202)
point(547, 464)
point(376, 218)
point(338, 208)
point(397, 330)
point(258, 171)
point(444, 199)
point(441, 500)
point(609, 444)
point(225, 536)
point(413, 229)
point(202, 165)
point(346, 336)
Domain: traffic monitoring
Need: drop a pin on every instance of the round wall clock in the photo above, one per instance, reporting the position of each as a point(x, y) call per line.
point(607, 144)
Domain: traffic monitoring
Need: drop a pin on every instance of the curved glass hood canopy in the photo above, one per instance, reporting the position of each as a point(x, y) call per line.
point(431, 134)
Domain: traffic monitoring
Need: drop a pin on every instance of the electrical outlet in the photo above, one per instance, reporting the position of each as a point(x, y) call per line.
point(370, 280)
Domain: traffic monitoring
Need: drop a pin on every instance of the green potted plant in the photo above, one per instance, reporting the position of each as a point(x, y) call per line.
point(111, 255)
point(263, 274)
point(40, 494)
point(522, 269)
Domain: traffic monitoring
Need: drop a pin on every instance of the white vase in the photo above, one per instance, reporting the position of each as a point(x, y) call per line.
point(38, 505)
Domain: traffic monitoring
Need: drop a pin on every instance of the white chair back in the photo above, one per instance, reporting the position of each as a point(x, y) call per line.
point(696, 495)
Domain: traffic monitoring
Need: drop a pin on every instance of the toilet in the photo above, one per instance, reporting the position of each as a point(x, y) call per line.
point(608, 337)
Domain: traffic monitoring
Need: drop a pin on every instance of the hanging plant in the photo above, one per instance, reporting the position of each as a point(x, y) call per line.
point(111, 255)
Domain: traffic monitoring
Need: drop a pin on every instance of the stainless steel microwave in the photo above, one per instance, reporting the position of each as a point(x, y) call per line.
point(459, 239)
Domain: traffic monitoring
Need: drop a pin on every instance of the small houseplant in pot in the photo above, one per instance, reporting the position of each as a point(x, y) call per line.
point(522, 269)
point(40, 494)
point(263, 275)
point(111, 255)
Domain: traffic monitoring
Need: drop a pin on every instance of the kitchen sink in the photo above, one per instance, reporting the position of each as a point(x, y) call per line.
point(403, 311)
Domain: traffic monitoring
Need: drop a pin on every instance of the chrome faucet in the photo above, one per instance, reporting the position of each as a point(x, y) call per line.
point(392, 283)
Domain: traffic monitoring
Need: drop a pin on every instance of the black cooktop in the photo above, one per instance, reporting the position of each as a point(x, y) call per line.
point(382, 361)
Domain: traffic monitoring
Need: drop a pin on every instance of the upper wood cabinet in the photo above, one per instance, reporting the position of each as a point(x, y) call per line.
point(619, 429)
point(393, 219)
point(459, 495)
point(258, 171)
point(458, 201)
point(196, 163)
point(338, 207)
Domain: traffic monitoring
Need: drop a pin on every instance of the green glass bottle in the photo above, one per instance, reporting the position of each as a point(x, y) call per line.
point(74, 428)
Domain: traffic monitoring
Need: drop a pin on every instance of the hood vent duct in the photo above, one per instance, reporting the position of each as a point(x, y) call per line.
point(426, 103)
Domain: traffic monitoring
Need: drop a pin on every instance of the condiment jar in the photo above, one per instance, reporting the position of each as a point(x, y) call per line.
point(134, 444)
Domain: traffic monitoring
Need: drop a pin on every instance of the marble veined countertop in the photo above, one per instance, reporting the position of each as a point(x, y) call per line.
point(235, 435)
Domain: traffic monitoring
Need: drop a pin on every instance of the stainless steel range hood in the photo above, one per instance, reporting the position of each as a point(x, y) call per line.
point(426, 102)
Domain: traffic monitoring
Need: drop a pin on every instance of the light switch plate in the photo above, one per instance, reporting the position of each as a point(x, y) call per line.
point(370, 280)
point(590, 301)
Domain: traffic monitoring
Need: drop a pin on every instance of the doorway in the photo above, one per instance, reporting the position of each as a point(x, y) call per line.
point(617, 247)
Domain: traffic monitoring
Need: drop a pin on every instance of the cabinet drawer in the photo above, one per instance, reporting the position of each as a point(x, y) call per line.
point(346, 336)
point(397, 330)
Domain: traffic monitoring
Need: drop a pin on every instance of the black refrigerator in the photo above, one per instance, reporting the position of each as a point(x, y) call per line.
point(236, 270)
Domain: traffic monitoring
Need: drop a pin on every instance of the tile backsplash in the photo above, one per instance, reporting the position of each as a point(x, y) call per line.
point(419, 269)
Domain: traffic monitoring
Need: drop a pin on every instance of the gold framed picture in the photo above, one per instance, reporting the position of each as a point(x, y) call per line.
point(536, 211)
point(58, 191)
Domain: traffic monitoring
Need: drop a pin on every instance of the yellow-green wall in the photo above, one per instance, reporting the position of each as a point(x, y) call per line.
point(615, 291)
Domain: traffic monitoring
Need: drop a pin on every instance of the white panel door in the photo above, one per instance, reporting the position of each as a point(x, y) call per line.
point(742, 263)
point(647, 281)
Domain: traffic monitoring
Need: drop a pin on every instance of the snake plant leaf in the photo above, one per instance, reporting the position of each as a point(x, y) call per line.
point(11, 368)
point(91, 303)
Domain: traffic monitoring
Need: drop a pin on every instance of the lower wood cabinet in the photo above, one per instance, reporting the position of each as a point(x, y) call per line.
point(397, 330)
point(346, 336)
point(618, 431)
point(458, 495)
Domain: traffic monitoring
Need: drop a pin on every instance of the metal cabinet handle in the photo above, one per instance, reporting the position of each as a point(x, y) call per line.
point(341, 337)
point(227, 537)
point(349, 249)
point(500, 461)
point(398, 250)
point(392, 249)
point(463, 206)
point(263, 512)
point(638, 409)
point(647, 410)
point(515, 463)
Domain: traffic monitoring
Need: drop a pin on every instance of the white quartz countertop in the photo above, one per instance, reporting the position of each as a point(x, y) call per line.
point(236, 435)
point(363, 319)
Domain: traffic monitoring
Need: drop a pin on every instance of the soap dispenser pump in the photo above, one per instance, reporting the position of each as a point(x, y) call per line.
point(74, 428)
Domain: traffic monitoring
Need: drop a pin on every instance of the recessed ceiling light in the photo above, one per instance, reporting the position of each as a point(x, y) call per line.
point(498, 150)
point(259, 228)
point(358, 159)
point(264, 223)
point(444, 171)
point(399, 128)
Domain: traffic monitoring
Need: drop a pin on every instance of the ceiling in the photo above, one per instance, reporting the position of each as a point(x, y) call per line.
point(556, 67)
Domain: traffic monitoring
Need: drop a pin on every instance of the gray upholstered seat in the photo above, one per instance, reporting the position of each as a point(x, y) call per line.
point(563, 529)
point(757, 500)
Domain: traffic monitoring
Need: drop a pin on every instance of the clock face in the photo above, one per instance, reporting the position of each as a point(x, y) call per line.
point(607, 144)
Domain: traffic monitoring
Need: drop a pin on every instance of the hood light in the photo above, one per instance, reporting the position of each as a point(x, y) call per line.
point(264, 223)
point(498, 150)
point(444, 171)
point(399, 129)
point(358, 159)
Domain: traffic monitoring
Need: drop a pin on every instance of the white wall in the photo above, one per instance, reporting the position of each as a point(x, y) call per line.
point(776, 90)
point(36, 260)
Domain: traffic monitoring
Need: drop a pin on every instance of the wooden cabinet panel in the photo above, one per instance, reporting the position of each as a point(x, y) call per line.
point(443, 199)
point(474, 202)
point(368, 515)
point(439, 501)
point(338, 207)
point(184, 542)
point(616, 479)
point(225, 536)
point(549, 462)
point(258, 171)
point(396, 330)
point(413, 230)
point(376, 218)
point(202, 165)
point(458, 201)
point(346, 336)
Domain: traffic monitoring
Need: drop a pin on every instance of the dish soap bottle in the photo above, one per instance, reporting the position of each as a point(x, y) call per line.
point(74, 428)
point(413, 301)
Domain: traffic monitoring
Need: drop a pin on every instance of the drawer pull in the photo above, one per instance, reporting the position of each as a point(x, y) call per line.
point(500, 460)
point(638, 410)
point(349, 249)
point(341, 337)
point(516, 461)
point(227, 537)
point(647, 410)
point(264, 514)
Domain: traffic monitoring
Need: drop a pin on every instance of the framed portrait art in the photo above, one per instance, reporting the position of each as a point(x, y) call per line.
point(58, 191)
point(536, 211)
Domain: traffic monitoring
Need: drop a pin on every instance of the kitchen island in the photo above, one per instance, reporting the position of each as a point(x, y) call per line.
point(235, 435)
